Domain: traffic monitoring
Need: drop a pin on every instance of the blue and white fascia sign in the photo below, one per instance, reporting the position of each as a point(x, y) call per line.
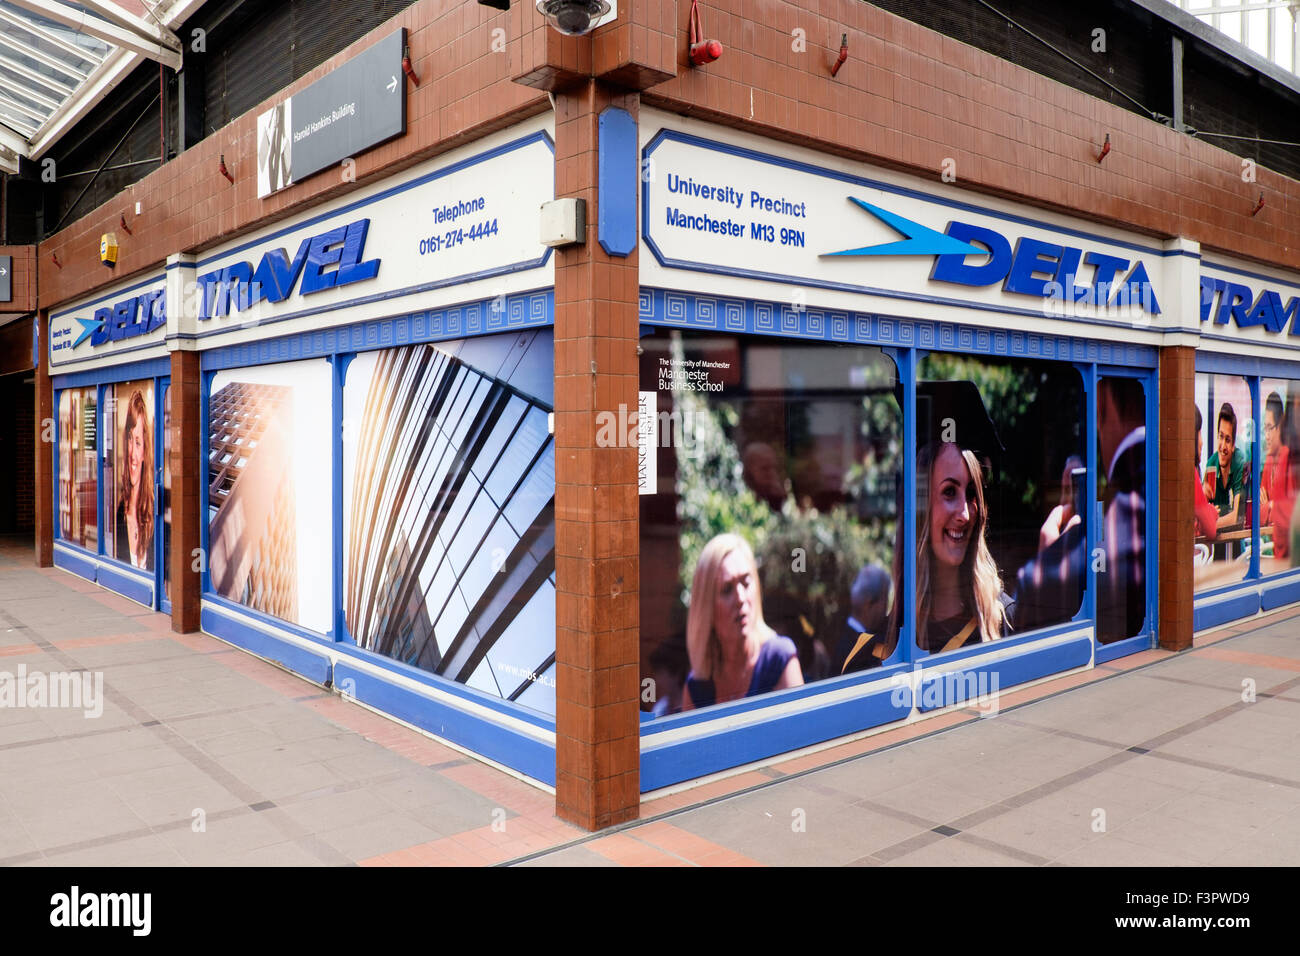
point(735, 211)
point(327, 260)
point(125, 318)
point(1227, 301)
point(1034, 267)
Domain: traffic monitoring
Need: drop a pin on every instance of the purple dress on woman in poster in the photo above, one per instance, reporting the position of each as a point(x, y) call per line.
point(773, 657)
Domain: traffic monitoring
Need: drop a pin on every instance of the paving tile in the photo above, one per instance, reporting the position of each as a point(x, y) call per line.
point(1200, 840)
point(1114, 850)
point(146, 850)
point(382, 832)
point(68, 818)
point(1270, 848)
point(952, 852)
point(571, 856)
point(1245, 792)
point(761, 827)
point(345, 784)
point(1042, 832)
point(338, 810)
point(927, 799)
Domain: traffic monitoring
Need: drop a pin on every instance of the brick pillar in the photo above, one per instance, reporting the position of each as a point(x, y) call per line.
point(44, 418)
point(189, 490)
point(1177, 523)
point(597, 559)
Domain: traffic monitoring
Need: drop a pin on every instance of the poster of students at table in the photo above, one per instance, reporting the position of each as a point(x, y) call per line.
point(1226, 499)
point(772, 500)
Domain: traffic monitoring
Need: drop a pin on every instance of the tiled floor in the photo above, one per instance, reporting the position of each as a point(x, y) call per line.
point(206, 755)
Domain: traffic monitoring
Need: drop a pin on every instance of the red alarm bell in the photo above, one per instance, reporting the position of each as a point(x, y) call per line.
point(701, 51)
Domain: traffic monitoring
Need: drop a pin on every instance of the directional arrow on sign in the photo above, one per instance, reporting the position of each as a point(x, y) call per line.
point(392, 87)
point(88, 328)
point(3, 272)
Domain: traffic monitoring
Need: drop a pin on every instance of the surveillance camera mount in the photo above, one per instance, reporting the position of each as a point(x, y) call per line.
point(573, 17)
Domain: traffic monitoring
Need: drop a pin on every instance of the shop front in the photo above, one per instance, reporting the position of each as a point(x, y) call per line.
point(899, 454)
point(376, 416)
point(1247, 395)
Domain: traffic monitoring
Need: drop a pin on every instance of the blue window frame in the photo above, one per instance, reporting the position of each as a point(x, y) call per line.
point(100, 564)
point(1266, 582)
point(683, 745)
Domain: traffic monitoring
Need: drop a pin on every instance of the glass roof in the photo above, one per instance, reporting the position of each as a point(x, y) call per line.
point(58, 58)
point(42, 63)
point(1269, 27)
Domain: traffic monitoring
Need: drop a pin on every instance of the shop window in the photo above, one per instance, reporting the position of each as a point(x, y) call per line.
point(1223, 493)
point(1120, 557)
point(269, 537)
point(79, 443)
point(1279, 476)
point(1001, 543)
point(441, 568)
point(768, 514)
point(129, 461)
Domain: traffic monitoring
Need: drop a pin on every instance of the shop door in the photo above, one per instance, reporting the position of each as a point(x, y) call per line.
point(1123, 556)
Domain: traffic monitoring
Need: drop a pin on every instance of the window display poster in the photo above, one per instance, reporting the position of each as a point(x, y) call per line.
point(1222, 491)
point(768, 529)
point(449, 511)
point(269, 499)
point(78, 473)
point(129, 472)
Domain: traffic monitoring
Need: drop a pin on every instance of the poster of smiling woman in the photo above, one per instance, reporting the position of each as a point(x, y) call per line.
point(132, 460)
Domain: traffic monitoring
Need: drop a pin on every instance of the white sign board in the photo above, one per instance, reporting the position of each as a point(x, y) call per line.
point(719, 206)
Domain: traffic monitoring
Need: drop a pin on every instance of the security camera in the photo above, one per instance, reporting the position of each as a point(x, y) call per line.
point(573, 17)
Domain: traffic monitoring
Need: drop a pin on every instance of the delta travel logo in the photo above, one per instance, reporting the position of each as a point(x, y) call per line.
point(138, 315)
point(1032, 267)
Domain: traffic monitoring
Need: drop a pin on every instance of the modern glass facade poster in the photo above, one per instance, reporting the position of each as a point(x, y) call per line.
point(449, 517)
point(269, 498)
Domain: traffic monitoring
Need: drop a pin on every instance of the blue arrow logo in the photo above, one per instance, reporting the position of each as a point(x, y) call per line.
point(88, 328)
point(920, 240)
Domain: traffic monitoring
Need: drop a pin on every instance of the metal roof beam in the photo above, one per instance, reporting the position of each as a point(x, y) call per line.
point(149, 29)
point(13, 142)
point(96, 87)
point(104, 30)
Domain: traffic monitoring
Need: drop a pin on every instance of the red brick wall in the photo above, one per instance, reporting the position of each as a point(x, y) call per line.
point(1177, 528)
point(23, 414)
point(465, 92)
point(909, 98)
point(22, 279)
point(16, 346)
point(597, 548)
point(17, 451)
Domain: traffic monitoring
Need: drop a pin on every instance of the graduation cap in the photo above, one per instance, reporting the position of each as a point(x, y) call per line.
point(954, 410)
